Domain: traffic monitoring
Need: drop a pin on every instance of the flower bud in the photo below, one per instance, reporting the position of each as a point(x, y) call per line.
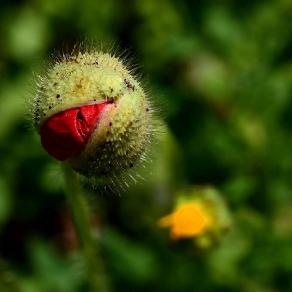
point(92, 113)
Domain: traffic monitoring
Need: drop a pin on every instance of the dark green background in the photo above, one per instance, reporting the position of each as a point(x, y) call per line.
point(220, 74)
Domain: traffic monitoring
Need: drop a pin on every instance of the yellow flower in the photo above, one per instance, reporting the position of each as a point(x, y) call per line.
point(189, 219)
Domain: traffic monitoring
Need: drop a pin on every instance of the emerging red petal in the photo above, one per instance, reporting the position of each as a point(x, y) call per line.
point(65, 134)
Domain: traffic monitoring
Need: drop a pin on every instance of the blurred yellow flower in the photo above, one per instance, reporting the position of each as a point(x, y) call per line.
point(187, 220)
point(199, 213)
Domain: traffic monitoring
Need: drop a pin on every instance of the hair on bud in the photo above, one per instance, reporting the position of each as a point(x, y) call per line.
point(92, 113)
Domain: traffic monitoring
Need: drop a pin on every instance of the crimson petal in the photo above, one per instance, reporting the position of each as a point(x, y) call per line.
point(65, 134)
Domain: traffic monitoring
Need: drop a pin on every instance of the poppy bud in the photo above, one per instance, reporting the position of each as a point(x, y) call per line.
point(92, 113)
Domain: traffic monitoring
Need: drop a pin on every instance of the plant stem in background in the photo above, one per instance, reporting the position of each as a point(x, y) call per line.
point(81, 219)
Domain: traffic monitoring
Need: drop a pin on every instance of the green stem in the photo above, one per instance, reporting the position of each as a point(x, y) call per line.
point(81, 219)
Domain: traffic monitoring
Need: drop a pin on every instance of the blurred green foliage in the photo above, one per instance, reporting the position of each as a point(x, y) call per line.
point(221, 77)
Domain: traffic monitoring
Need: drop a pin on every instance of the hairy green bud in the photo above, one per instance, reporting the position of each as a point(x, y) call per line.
point(92, 112)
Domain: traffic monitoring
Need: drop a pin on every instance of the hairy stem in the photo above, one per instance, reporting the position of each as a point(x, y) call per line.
point(81, 219)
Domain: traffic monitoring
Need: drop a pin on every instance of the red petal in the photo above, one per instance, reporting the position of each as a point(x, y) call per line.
point(65, 134)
